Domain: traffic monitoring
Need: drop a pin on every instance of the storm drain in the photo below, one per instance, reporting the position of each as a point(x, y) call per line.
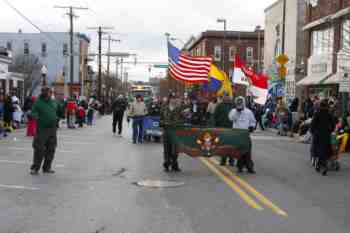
point(159, 183)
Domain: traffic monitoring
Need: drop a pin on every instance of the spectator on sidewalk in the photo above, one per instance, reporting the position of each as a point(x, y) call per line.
point(45, 112)
point(3, 132)
point(17, 115)
point(137, 112)
point(71, 111)
point(81, 115)
point(8, 114)
point(31, 121)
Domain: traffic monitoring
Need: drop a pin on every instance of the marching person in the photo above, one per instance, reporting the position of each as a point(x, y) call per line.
point(137, 112)
point(118, 108)
point(243, 118)
point(45, 141)
point(222, 121)
point(171, 115)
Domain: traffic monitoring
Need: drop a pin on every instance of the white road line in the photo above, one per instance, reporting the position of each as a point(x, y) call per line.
point(26, 163)
point(31, 150)
point(61, 142)
point(5, 186)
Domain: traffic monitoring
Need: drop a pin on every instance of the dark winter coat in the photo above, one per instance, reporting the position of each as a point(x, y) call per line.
point(221, 115)
point(322, 126)
point(8, 110)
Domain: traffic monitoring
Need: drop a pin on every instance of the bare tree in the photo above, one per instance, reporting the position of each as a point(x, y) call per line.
point(29, 66)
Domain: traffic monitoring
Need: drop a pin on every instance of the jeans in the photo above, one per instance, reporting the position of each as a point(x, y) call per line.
point(137, 129)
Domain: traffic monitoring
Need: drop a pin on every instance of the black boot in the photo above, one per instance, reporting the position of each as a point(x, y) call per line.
point(175, 167)
point(166, 167)
point(223, 161)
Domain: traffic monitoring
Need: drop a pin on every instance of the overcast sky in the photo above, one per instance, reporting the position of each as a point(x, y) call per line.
point(140, 24)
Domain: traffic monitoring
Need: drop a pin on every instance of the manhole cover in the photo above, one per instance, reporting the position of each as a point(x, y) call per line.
point(160, 183)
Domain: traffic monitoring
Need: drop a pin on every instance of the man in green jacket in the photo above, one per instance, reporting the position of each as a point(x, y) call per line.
point(45, 112)
point(222, 121)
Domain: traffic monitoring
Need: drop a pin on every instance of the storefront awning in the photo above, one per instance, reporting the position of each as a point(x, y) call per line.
point(3, 76)
point(312, 80)
point(333, 79)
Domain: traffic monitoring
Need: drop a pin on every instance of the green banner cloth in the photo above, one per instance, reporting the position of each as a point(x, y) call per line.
point(207, 142)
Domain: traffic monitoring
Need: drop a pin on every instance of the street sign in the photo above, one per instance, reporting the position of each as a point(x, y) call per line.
point(282, 59)
point(162, 66)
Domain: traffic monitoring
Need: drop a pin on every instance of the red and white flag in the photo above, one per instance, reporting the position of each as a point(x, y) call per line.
point(238, 76)
point(259, 88)
point(258, 83)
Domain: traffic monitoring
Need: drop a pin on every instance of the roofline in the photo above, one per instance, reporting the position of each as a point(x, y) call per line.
point(237, 34)
point(272, 5)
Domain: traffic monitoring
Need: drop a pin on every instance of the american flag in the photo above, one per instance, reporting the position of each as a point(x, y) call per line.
point(187, 68)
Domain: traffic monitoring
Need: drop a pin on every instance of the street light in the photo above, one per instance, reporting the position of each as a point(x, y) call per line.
point(44, 74)
point(177, 39)
point(222, 20)
point(258, 29)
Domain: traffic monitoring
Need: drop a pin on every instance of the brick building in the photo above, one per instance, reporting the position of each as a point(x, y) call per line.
point(244, 43)
point(327, 31)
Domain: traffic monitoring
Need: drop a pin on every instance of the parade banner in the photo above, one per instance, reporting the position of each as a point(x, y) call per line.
point(207, 142)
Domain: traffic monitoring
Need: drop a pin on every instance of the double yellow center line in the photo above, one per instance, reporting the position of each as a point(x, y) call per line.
point(241, 187)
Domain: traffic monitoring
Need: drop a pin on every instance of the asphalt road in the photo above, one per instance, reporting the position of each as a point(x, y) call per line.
point(93, 189)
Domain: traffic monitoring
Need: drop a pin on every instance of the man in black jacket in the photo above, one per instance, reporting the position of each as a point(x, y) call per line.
point(119, 106)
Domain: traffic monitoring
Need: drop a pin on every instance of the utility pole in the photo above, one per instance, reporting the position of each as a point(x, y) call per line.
point(71, 32)
point(121, 70)
point(100, 32)
point(284, 25)
point(109, 39)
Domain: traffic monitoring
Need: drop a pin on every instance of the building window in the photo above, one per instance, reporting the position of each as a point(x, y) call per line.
point(278, 49)
point(217, 53)
point(44, 49)
point(26, 48)
point(322, 41)
point(233, 51)
point(250, 53)
point(345, 34)
point(9, 46)
point(65, 49)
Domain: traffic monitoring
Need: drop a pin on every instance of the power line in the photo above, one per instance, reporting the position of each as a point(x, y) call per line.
point(29, 21)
